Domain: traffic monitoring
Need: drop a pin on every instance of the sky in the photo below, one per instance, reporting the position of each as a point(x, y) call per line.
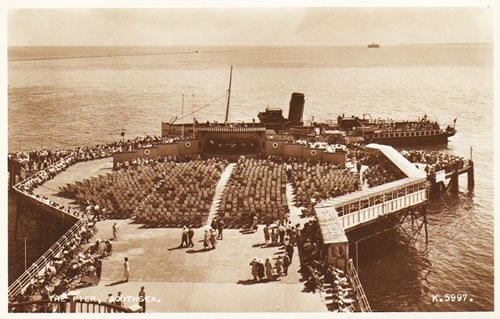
point(249, 26)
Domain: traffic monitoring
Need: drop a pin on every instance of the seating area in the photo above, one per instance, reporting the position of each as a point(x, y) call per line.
point(256, 186)
point(320, 181)
point(380, 170)
point(183, 196)
point(119, 192)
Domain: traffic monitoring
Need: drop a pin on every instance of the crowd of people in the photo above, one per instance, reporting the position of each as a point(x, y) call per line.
point(140, 161)
point(73, 265)
point(381, 173)
point(258, 187)
point(78, 264)
point(183, 196)
point(422, 124)
point(318, 273)
point(379, 169)
point(317, 181)
point(435, 161)
point(38, 160)
point(280, 233)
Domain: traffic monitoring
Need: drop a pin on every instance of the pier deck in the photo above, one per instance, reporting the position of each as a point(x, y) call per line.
point(187, 279)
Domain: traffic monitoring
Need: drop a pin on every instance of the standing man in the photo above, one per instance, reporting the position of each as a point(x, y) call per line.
point(289, 251)
point(255, 223)
point(97, 213)
point(190, 236)
point(266, 234)
point(98, 268)
point(220, 228)
point(110, 300)
point(282, 231)
point(184, 238)
point(142, 299)
point(118, 300)
point(286, 264)
point(126, 269)
point(115, 231)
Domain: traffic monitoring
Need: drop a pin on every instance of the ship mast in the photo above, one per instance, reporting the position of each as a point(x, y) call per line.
point(229, 94)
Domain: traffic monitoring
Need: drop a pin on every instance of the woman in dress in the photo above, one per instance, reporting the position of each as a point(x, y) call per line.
point(279, 266)
point(206, 240)
point(213, 239)
point(126, 269)
point(269, 269)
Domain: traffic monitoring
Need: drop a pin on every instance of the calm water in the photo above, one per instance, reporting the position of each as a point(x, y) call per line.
point(59, 101)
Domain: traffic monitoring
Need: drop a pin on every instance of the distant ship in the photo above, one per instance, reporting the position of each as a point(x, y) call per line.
point(373, 45)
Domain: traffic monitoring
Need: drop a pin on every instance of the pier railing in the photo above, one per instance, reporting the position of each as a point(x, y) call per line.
point(40, 266)
point(67, 306)
point(389, 200)
point(361, 207)
point(363, 304)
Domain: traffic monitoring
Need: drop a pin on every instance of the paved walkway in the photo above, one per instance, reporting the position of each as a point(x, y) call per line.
point(219, 189)
point(77, 172)
point(295, 211)
point(194, 280)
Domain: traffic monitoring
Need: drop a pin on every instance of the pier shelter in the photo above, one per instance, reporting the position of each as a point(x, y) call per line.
point(345, 213)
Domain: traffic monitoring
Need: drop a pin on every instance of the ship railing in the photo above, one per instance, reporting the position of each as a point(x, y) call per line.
point(362, 301)
point(67, 306)
point(231, 129)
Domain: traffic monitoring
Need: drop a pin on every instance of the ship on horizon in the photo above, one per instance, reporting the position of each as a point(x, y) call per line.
point(373, 45)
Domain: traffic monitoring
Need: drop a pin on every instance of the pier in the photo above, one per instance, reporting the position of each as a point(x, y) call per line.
point(343, 223)
point(448, 182)
point(393, 203)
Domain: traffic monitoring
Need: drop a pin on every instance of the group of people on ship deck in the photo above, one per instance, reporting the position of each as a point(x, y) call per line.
point(421, 124)
point(435, 160)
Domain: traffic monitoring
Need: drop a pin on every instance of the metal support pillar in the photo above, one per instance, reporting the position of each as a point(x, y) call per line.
point(424, 209)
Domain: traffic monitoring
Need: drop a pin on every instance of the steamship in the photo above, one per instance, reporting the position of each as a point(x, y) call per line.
point(348, 129)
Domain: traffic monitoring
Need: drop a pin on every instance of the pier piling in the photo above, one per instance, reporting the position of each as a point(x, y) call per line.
point(470, 175)
point(453, 186)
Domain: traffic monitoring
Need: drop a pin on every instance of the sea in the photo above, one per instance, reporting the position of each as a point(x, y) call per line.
point(64, 97)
